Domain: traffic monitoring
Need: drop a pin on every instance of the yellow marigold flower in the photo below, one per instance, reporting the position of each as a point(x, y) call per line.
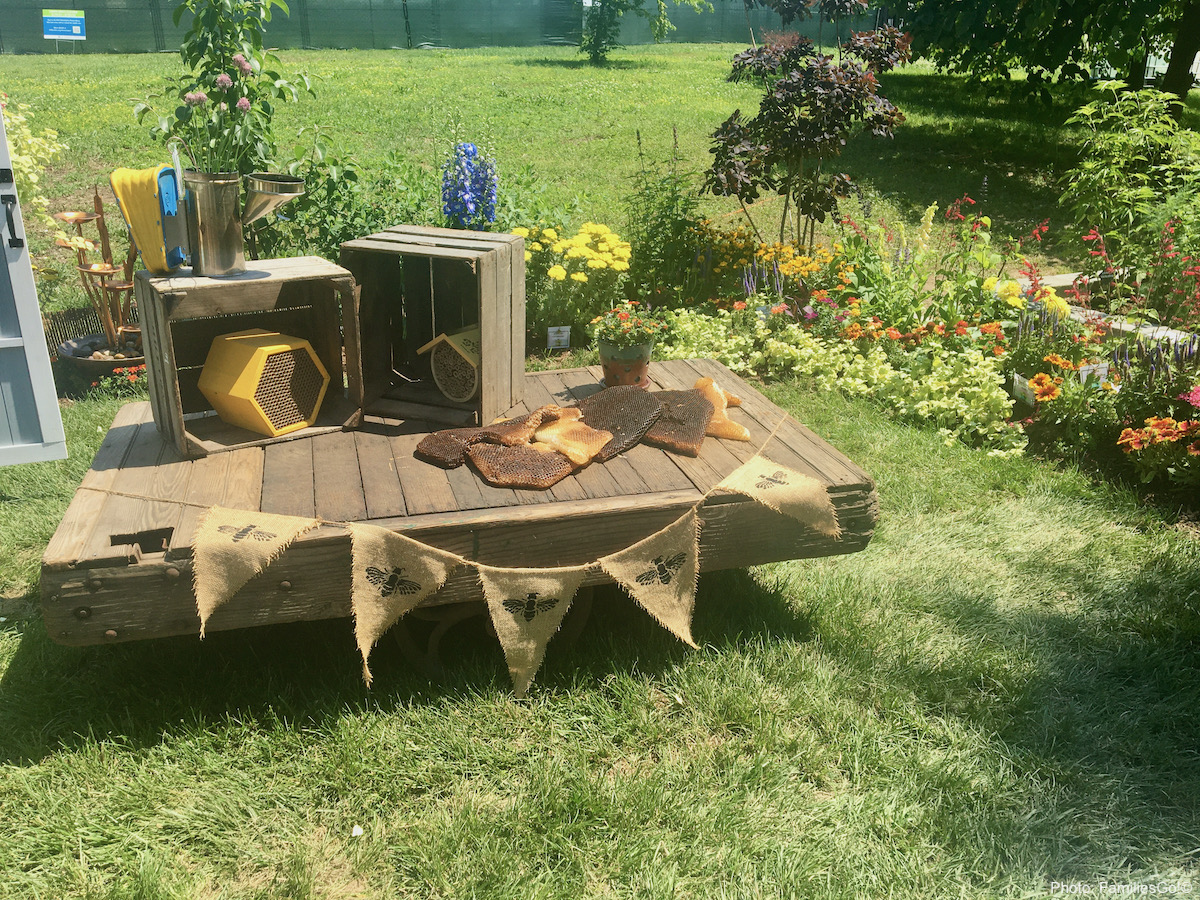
point(578, 276)
point(1055, 305)
point(521, 231)
point(620, 266)
point(576, 252)
point(597, 264)
point(549, 234)
point(536, 246)
point(528, 256)
point(989, 284)
point(558, 273)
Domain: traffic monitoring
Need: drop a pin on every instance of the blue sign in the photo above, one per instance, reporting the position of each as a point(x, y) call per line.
point(63, 25)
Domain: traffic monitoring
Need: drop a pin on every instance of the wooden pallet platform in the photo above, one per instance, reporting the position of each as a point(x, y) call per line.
point(119, 566)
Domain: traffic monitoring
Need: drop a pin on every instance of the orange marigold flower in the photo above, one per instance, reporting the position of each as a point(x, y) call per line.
point(997, 350)
point(853, 332)
point(1044, 387)
point(939, 328)
point(993, 328)
point(1055, 360)
point(893, 333)
point(1131, 440)
point(739, 304)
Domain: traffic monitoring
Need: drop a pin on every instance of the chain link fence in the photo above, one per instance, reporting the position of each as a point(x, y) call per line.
point(133, 26)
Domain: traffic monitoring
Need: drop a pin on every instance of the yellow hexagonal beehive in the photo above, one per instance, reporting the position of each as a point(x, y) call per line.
point(264, 381)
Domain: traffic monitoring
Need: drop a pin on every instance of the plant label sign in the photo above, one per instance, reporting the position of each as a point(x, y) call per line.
point(63, 25)
point(1100, 370)
point(558, 337)
point(1022, 391)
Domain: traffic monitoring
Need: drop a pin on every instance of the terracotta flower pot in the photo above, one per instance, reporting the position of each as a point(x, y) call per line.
point(626, 365)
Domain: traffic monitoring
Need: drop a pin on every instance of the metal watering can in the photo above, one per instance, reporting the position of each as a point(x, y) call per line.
point(200, 225)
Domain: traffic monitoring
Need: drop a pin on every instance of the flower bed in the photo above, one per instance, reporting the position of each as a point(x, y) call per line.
point(935, 331)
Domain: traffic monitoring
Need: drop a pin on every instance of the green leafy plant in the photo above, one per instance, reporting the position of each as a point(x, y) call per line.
point(662, 229)
point(811, 105)
point(224, 104)
point(1134, 158)
point(629, 324)
point(31, 153)
point(602, 23)
point(571, 280)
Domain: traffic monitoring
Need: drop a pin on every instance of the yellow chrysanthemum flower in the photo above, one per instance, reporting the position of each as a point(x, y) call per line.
point(1055, 305)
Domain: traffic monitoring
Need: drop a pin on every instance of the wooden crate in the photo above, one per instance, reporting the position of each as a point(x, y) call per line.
point(416, 283)
point(306, 297)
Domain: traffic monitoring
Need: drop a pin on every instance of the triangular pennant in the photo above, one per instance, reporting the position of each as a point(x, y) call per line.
point(391, 575)
point(527, 607)
point(231, 546)
point(660, 574)
point(786, 491)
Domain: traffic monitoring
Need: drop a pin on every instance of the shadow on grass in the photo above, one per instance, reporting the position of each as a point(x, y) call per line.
point(584, 64)
point(957, 135)
point(1090, 696)
point(54, 697)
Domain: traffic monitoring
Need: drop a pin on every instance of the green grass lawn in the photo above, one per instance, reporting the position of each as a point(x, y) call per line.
point(1001, 692)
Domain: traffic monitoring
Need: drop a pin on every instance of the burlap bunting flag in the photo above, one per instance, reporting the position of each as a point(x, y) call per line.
point(660, 574)
point(391, 575)
point(527, 607)
point(232, 546)
point(786, 491)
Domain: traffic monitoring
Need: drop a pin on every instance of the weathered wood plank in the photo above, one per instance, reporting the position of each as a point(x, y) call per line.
point(337, 482)
point(87, 506)
point(381, 485)
point(426, 488)
point(288, 479)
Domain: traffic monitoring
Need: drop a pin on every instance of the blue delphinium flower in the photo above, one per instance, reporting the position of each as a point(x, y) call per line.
point(469, 188)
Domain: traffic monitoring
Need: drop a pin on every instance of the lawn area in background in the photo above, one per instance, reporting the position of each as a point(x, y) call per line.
point(573, 125)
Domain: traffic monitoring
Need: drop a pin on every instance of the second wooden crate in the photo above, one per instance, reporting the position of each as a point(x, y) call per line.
point(418, 283)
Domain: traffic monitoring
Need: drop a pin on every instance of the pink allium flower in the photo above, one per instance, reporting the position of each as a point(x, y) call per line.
point(244, 104)
point(195, 98)
point(224, 82)
point(242, 63)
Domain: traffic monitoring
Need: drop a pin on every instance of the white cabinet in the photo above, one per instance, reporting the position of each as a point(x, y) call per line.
point(30, 424)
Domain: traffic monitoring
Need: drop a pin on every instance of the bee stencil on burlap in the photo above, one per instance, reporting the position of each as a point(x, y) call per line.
point(533, 604)
point(392, 582)
point(246, 531)
point(662, 569)
point(766, 482)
